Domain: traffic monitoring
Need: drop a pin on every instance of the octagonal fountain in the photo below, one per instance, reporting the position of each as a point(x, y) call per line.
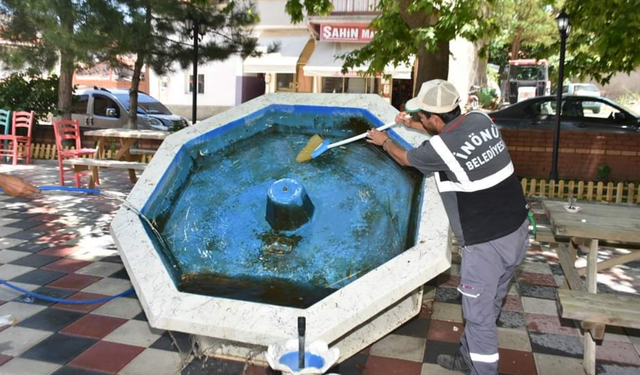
point(243, 240)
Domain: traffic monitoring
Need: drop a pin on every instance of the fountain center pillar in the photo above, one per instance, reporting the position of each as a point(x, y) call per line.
point(288, 205)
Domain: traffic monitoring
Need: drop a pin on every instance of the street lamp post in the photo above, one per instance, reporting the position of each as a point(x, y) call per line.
point(196, 29)
point(563, 27)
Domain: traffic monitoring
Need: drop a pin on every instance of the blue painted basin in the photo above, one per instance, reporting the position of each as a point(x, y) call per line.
point(210, 208)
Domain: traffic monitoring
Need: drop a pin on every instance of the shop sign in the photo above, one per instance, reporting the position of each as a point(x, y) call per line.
point(346, 33)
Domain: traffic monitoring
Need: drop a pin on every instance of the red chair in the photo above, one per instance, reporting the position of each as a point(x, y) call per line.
point(21, 120)
point(70, 130)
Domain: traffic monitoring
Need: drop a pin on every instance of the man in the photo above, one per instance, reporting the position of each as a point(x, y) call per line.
point(485, 206)
point(16, 187)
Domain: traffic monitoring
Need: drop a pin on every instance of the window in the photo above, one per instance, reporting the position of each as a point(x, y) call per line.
point(79, 104)
point(600, 110)
point(102, 103)
point(284, 82)
point(543, 108)
point(200, 83)
point(332, 85)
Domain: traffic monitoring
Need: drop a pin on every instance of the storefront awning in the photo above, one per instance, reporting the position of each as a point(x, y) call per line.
point(324, 62)
point(291, 44)
point(402, 71)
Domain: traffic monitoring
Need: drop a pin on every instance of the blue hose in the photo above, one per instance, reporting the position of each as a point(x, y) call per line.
point(62, 300)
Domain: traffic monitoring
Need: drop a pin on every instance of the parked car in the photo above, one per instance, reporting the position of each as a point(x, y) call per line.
point(540, 113)
point(102, 108)
point(584, 89)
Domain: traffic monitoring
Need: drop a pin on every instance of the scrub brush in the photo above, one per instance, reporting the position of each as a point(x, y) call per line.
point(317, 146)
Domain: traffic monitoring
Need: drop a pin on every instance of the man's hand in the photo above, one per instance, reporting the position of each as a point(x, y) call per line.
point(376, 137)
point(16, 187)
point(403, 118)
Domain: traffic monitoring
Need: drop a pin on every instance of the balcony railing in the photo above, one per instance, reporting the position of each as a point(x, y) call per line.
point(355, 6)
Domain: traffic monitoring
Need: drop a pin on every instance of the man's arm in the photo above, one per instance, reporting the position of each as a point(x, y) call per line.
point(16, 187)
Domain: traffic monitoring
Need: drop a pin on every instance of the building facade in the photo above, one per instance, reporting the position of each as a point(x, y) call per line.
point(300, 58)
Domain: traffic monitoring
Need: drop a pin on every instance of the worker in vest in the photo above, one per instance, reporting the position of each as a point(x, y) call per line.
point(485, 205)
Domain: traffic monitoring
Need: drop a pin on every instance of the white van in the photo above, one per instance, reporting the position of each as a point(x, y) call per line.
point(102, 108)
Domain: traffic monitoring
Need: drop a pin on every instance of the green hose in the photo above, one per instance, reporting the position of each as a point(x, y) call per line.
point(533, 222)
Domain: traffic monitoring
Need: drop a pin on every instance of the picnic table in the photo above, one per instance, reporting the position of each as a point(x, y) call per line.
point(594, 225)
point(123, 158)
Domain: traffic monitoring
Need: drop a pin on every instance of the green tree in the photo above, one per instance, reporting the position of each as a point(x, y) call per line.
point(410, 27)
point(153, 31)
point(604, 38)
point(29, 91)
point(44, 32)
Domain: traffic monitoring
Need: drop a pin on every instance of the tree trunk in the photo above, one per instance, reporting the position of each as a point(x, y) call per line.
point(65, 85)
point(515, 44)
point(133, 92)
point(67, 68)
point(137, 71)
point(479, 77)
point(432, 65)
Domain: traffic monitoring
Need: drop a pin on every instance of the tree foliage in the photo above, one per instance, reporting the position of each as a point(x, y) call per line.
point(604, 37)
point(411, 27)
point(527, 29)
point(43, 32)
point(29, 91)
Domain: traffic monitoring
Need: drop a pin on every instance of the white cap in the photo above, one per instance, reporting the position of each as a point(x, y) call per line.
point(435, 96)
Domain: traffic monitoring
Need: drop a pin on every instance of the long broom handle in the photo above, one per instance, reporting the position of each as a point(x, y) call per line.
point(359, 136)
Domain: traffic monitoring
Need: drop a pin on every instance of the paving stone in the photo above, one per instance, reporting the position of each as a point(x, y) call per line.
point(547, 343)
point(10, 271)
point(539, 306)
point(6, 231)
point(154, 362)
point(8, 256)
point(20, 311)
point(106, 356)
point(516, 362)
point(618, 352)
point(535, 267)
point(22, 366)
point(212, 366)
point(109, 286)
point(448, 295)
point(416, 327)
point(39, 277)
point(51, 320)
point(102, 269)
point(553, 364)
point(434, 369)
point(514, 339)
point(15, 340)
point(8, 243)
point(45, 291)
point(550, 324)
point(125, 308)
point(24, 224)
point(8, 294)
point(31, 247)
point(400, 347)
point(135, 333)
point(537, 291)
point(511, 319)
point(26, 235)
point(58, 348)
point(35, 260)
point(447, 311)
point(616, 369)
point(445, 331)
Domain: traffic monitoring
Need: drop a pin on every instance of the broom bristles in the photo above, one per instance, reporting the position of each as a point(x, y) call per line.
point(305, 154)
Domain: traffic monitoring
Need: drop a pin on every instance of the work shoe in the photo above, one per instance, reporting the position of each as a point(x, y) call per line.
point(454, 363)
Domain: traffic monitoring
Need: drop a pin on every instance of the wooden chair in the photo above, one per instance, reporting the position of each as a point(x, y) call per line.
point(20, 120)
point(5, 124)
point(70, 130)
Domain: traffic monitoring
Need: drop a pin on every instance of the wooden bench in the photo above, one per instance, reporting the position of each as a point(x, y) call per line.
point(102, 163)
point(142, 151)
point(595, 311)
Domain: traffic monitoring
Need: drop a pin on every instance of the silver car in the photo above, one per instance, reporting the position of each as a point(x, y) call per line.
point(102, 108)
